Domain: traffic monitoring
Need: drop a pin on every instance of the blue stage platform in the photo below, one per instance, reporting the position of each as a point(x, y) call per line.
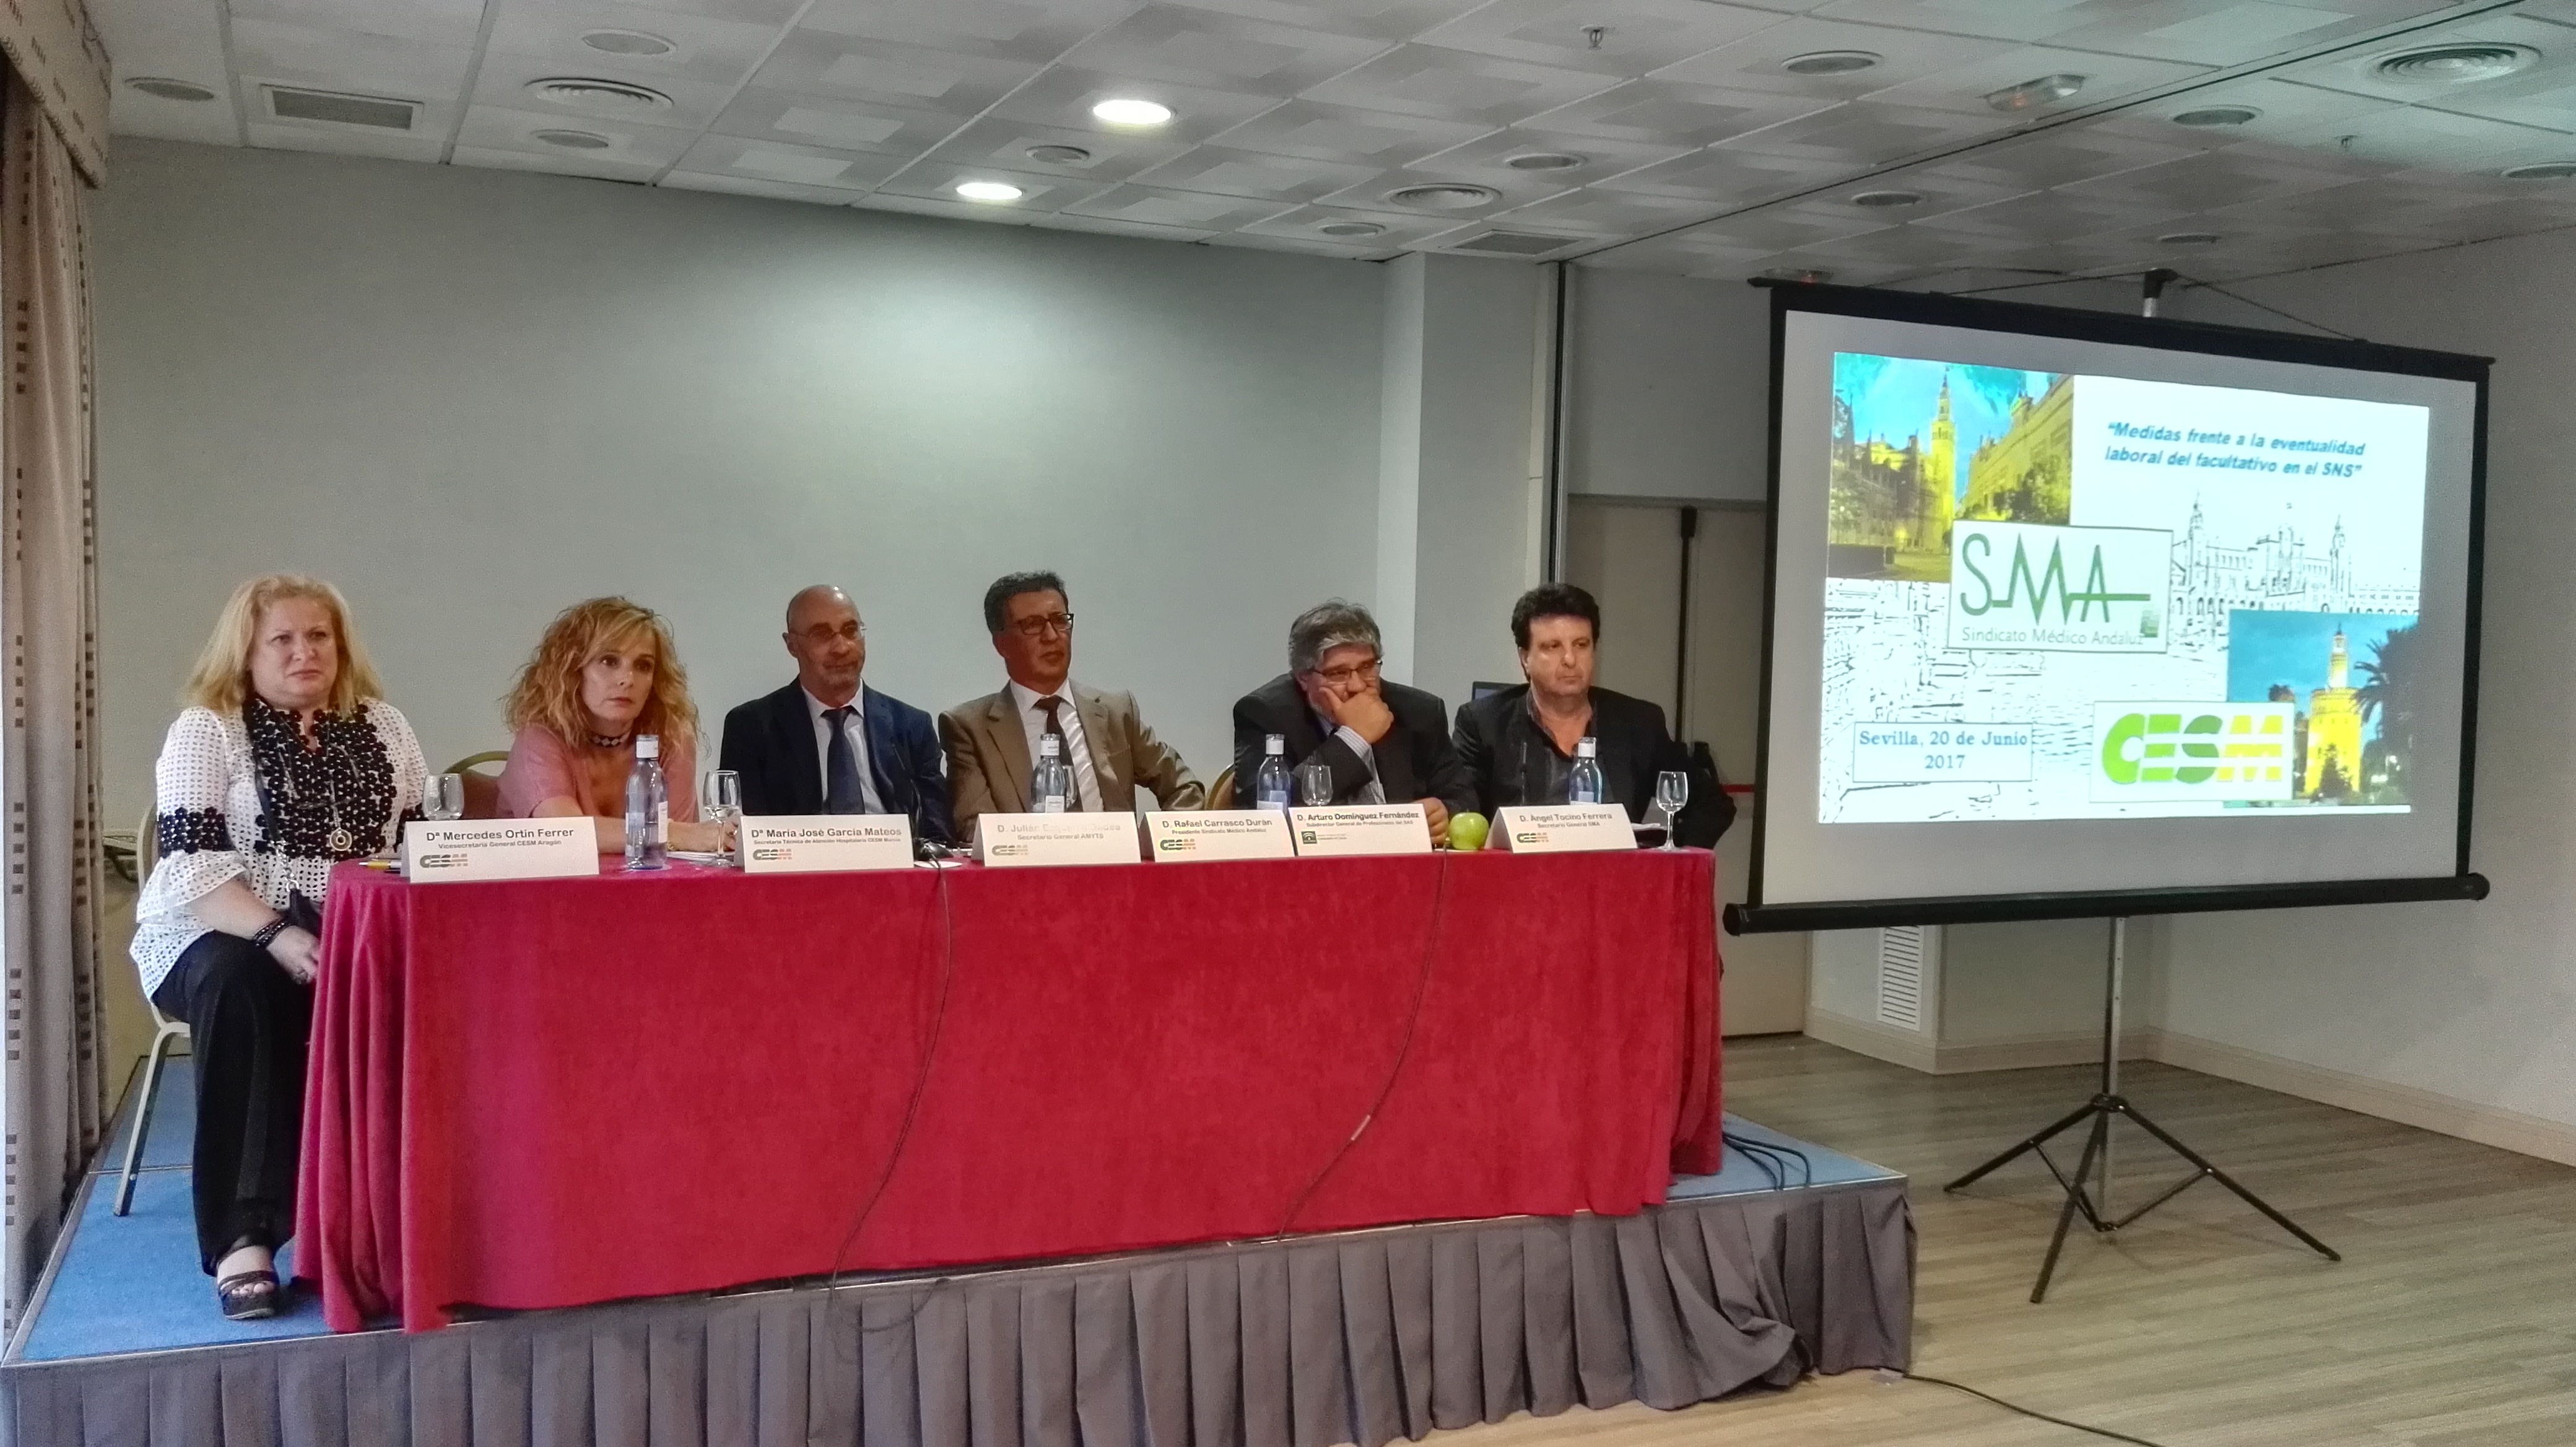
point(1795, 1257)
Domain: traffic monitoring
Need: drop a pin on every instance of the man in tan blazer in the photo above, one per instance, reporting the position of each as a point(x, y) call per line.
point(991, 740)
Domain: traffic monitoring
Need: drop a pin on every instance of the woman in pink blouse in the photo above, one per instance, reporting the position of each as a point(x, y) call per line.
point(604, 673)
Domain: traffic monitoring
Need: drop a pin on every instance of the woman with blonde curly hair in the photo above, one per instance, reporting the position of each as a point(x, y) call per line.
point(285, 762)
point(604, 673)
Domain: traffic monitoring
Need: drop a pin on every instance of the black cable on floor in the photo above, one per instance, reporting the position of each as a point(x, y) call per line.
point(2025, 1411)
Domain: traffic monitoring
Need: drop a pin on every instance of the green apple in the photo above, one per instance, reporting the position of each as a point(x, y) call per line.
point(1467, 831)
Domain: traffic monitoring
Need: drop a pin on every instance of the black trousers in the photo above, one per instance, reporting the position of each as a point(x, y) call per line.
point(248, 1025)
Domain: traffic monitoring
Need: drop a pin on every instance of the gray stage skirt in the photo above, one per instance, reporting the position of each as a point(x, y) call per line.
point(1359, 1337)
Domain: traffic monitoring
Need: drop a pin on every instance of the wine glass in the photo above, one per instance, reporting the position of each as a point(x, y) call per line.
point(1315, 783)
point(442, 797)
point(1672, 791)
point(720, 804)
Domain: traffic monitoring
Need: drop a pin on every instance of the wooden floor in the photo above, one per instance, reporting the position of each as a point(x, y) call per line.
point(2450, 1323)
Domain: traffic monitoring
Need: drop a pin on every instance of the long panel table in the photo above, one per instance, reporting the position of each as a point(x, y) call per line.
point(551, 1093)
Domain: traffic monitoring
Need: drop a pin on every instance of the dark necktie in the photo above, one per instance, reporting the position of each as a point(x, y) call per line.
point(841, 767)
point(1054, 729)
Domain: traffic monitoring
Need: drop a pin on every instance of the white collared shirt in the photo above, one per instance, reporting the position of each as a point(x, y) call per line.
point(1024, 700)
point(1374, 791)
point(856, 726)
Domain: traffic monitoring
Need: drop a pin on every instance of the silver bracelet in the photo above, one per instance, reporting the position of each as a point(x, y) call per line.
point(268, 933)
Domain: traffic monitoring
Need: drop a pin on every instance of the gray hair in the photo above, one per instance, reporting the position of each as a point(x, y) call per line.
point(997, 598)
point(1327, 626)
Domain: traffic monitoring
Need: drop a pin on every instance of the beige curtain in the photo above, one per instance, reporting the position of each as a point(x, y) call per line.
point(49, 1082)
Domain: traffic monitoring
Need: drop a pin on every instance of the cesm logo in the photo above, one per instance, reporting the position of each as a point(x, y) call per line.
point(2059, 590)
point(2209, 752)
point(1176, 846)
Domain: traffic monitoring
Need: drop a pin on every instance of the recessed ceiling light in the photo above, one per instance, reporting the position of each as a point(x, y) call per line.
point(989, 191)
point(2216, 116)
point(1814, 275)
point(2034, 93)
point(2453, 64)
point(1830, 62)
point(593, 94)
point(627, 42)
point(169, 89)
point(1059, 155)
point(2188, 238)
point(1545, 161)
point(573, 140)
point(1444, 196)
point(1120, 111)
point(2542, 171)
point(1888, 198)
point(1351, 228)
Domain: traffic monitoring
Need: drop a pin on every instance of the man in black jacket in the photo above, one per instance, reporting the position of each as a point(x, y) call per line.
point(1386, 743)
point(827, 744)
point(1519, 743)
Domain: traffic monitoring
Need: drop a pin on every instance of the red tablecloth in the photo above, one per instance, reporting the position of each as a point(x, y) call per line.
point(547, 1093)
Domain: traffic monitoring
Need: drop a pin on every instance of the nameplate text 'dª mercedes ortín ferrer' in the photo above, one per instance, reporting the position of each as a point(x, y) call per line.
point(1004, 840)
point(448, 851)
point(824, 843)
point(1562, 828)
point(1337, 830)
point(1191, 835)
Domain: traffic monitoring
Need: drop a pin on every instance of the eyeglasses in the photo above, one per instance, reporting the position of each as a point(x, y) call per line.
point(1042, 625)
point(822, 633)
point(1348, 673)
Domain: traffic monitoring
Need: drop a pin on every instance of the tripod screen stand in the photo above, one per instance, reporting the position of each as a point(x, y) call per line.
point(2090, 1197)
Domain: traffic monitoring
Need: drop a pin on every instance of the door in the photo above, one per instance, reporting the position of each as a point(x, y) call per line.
point(1629, 555)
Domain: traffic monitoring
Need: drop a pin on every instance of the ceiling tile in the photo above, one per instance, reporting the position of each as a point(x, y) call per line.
point(346, 141)
point(844, 125)
point(939, 182)
point(1737, 178)
point(597, 165)
point(1754, 62)
point(1250, 173)
point(490, 129)
point(2352, 70)
point(1424, 80)
point(799, 165)
point(1067, 221)
point(817, 62)
point(1398, 228)
point(1636, 35)
point(1382, 19)
point(1377, 193)
point(954, 210)
point(2416, 137)
point(1032, 31)
point(2234, 32)
point(1870, 133)
point(2220, 178)
point(1605, 213)
point(755, 186)
point(1964, 87)
point(1684, 253)
point(2049, 216)
point(2022, 20)
point(1941, 194)
point(504, 80)
point(1484, 159)
point(1156, 207)
point(764, 12)
point(1346, 134)
point(427, 22)
point(1008, 144)
point(1660, 112)
point(1063, 95)
point(352, 60)
point(2065, 153)
point(1250, 241)
point(1210, 51)
point(1773, 229)
point(705, 49)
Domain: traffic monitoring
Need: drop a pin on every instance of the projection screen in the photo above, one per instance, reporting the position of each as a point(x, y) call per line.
point(2073, 614)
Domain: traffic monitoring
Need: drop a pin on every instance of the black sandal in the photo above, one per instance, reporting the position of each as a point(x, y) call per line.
point(247, 1295)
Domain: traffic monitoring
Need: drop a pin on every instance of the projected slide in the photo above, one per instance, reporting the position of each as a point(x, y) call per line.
point(2060, 596)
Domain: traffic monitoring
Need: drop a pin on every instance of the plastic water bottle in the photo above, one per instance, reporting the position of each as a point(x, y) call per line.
point(1270, 787)
point(1583, 784)
point(1053, 783)
point(648, 808)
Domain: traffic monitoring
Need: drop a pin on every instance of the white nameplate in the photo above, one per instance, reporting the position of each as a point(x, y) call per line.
point(1562, 828)
point(449, 850)
point(1219, 834)
point(1011, 839)
point(818, 843)
point(1345, 829)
